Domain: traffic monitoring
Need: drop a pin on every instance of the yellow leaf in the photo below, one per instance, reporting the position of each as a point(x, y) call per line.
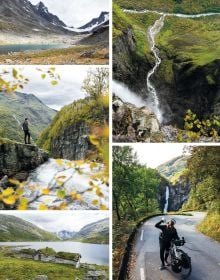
point(8, 191)
point(93, 139)
point(103, 207)
point(59, 161)
point(14, 182)
point(43, 207)
point(95, 202)
point(99, 193)
point(10, 200)
point(23, 204)
point(79, 197)
point(45, 191)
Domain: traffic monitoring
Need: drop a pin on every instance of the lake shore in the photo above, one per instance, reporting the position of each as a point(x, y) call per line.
point(74, 53)
point(11, 39)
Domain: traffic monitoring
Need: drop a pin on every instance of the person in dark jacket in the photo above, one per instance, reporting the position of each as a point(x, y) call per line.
point(168, 233)
point(27, 135)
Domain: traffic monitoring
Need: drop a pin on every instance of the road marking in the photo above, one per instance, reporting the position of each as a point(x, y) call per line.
point(142, 234)
point(142, 274)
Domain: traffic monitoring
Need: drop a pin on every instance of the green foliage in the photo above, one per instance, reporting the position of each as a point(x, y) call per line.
point(120, 22)
point(194, 128)
point(210, 225)
point(183, 6)
point(92, 110)
point(22, 269)
point(203, 169)
point(134, 186)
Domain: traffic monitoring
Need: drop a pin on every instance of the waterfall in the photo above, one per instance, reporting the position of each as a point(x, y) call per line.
point(152, 33)
point(154, 102)
point(167, 199)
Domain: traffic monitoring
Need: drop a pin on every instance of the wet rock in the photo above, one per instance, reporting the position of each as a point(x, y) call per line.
point(133, 124)
point(18, 158)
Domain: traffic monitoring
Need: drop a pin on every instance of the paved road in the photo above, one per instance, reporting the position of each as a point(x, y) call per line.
point(204, 252)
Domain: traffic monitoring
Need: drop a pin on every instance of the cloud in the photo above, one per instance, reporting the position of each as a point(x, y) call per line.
point(55, 221)
point(153, 155)
point(75, 13)
point(68, 89)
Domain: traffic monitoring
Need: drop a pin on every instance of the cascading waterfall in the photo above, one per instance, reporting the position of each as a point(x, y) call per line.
point(152, 33)
point(167, 200)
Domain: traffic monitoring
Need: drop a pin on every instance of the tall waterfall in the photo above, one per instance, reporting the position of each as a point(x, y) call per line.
point(152, 33)
point(154, 102)
point(167, 199)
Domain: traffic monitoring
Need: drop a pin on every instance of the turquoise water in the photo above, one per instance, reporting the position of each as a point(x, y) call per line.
point(5, 49)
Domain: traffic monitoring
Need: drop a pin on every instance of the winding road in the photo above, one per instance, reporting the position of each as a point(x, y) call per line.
point(204, 252)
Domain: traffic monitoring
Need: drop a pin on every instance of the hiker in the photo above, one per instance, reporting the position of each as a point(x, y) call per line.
point(27, 136)
point(168, 233)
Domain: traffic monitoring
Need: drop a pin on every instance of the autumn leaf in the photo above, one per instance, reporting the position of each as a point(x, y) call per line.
point(23, 204)
point(95, 202)
point(45, 191)
point(54, 83)
point(59, 161)
point(14, 182)
point(103, 207)
point(7, 192)
point(10, 200)
point(43, 207)
point(93, 139)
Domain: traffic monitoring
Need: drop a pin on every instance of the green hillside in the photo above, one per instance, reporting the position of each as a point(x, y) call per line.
point(88, 111)
point(173, 167)
point(173, 6)
point(15, 229)
point(14, 108)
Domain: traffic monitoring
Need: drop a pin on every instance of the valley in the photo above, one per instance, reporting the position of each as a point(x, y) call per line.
point(66, 164)
point(183, 185)
point(168, 62)
point(28, 30)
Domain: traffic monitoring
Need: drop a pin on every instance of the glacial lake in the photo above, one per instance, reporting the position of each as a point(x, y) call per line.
point(5, 49)
point(91, 253)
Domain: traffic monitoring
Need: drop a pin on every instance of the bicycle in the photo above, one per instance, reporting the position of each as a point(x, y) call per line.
point(179, 260)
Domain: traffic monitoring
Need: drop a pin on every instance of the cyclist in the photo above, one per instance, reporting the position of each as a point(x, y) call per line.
point(168, 233)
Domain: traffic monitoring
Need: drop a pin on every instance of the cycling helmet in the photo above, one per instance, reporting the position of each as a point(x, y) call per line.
point(173, 222)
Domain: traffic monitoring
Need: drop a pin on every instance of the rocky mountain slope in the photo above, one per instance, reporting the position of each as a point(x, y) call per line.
point(15, 229)
point(20, 16)
point(96, 23)
point(14, 108)
point(68, 135)
point(170, 168)
point(188, 75)
point(97, 232)
point(176, 6)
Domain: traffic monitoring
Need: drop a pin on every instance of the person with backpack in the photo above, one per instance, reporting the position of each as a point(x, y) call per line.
point(27, 136)
point(168, 233)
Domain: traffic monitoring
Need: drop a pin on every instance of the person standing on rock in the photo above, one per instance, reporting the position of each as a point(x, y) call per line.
point(27, 136)
point(168, 233)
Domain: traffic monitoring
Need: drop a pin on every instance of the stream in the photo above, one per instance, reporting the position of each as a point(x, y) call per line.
point(152, 32)
point(77, 185)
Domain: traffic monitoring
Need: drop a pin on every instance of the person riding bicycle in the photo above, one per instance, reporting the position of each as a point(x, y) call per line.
point(168, 233)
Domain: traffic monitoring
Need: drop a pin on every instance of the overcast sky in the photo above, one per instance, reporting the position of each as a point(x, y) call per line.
point(55, 221)
point(153, 155)
point(75, 12)
point(68, 89)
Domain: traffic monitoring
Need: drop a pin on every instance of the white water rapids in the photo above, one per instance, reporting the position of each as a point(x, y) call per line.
point(153, 31)
point(167, 200)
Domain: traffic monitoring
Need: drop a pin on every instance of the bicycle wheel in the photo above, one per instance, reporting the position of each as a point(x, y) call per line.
point(186, 265)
